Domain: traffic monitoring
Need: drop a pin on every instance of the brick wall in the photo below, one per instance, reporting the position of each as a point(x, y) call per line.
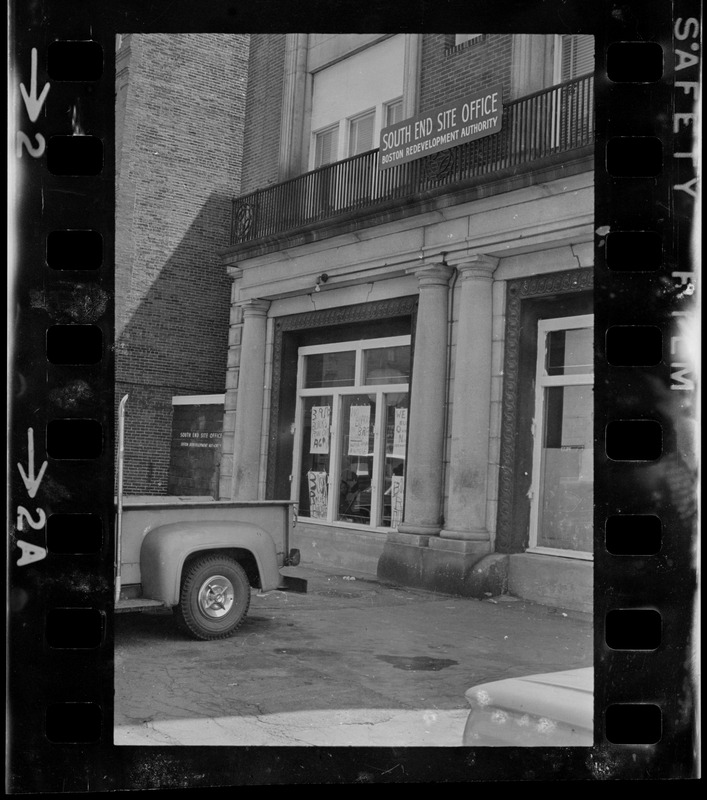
point(263, 111)
point(180, 111)
point(448, 73)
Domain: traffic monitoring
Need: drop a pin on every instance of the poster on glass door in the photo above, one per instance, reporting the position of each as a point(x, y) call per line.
point(319, 440)
point(318, 498)
point(359, 427)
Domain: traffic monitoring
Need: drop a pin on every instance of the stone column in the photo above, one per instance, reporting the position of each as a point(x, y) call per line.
point(425, 451)
point(293, 105)
point(469, 450)
point(249, 408)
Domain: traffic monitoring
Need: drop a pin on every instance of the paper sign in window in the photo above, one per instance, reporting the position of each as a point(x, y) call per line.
point(319, 442)
point(317, 482)
point(397, 487)
point(359, 427)
point(400, 433)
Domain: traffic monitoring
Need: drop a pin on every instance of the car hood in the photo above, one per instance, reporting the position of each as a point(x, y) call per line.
point(564, 697)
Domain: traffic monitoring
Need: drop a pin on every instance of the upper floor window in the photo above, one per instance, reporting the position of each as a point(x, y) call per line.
point(355, 96)
point(361, 133)
point(326, 146)
point(574, 56)
point(393, 112)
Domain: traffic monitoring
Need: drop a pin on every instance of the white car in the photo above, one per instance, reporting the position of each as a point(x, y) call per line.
point(555, 709)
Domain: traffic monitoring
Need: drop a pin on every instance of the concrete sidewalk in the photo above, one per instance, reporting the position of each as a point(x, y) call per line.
point(352, 662)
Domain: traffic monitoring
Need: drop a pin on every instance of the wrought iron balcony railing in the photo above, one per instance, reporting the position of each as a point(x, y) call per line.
point(546, 123)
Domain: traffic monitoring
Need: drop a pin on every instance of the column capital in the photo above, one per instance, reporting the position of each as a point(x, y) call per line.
point(475, 266)
point(436, 274)
point(254, 307)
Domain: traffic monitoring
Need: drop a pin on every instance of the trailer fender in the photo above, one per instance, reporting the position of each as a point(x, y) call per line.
point(165, 549)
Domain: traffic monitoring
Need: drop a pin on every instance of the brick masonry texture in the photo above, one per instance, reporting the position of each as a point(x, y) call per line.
point(263, 111)
point(179, 131)
point(449, 73)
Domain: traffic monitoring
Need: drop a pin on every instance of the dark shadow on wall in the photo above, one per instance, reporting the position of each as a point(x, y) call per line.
point(175, 341)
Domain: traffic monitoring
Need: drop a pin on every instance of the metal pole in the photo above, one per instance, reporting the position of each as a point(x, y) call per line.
point(119, 519)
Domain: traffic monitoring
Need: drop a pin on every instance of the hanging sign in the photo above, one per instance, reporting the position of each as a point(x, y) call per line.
point(400, 432)
point(472, 118)
point(318, 500)
point(359, 427)
point(319, 440)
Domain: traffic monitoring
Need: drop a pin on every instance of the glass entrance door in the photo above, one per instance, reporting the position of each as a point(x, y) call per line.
point(562, 499)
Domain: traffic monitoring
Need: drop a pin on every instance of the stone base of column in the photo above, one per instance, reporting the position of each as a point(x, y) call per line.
point(418, 528)
point(465, 535)
point(402, 558)
point(465, 568)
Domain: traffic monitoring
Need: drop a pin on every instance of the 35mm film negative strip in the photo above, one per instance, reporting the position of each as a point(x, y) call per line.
point(572, 482)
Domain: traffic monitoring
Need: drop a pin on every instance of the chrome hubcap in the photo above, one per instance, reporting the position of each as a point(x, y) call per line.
point(216, 596)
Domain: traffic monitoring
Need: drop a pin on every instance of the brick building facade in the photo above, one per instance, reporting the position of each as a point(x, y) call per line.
point(180, 103)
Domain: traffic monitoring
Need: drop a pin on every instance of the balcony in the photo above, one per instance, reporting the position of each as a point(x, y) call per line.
point(537, 127)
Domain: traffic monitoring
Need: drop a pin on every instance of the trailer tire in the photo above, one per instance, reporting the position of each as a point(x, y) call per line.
point(214, 598)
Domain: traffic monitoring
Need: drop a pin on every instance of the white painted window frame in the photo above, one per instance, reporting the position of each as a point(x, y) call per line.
point(543, 381)
point(375, 133)
point(337, 393)
point(386, 108)
point(315, 134)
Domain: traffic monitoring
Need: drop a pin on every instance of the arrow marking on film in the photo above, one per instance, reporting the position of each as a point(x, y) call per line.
point(32, 102)
point(31, 483)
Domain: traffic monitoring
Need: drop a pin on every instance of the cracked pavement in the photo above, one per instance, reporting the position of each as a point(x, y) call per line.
point(352, 662)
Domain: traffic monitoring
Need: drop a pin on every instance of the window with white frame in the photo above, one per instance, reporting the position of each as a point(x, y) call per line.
point(351, 96)
point(361, 132)
point(574, 56)
point(393, 112)
point(351, 432)
point(562, 505)
point(326, 146)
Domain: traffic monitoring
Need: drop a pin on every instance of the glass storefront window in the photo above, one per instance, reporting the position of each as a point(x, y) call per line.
point(386, 365)
point(357, 437)
point(562, 501)
point(396, 424)
point(351, 435)
point(330, 369)
point(314, 465)
point(569, 352)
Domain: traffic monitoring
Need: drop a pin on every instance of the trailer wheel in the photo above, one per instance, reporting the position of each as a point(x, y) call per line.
point(214, 599)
